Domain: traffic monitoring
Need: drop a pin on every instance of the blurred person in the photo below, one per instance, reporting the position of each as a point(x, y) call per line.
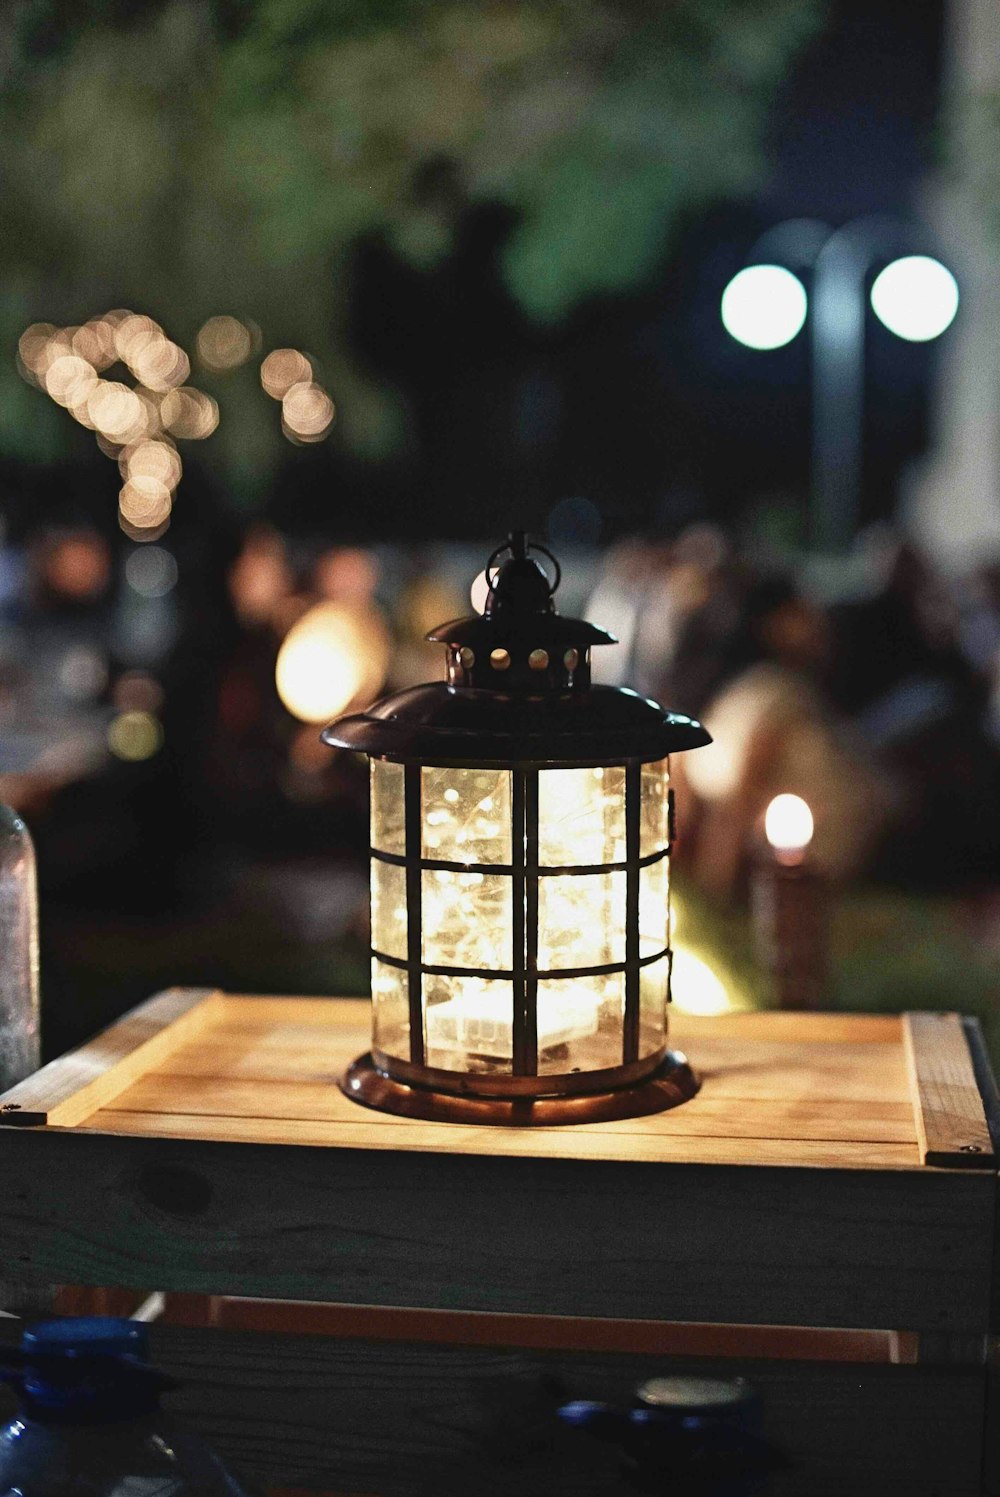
point(904, 672)
point(773, 731)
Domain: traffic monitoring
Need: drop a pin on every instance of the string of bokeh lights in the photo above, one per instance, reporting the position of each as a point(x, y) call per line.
point(138, 425)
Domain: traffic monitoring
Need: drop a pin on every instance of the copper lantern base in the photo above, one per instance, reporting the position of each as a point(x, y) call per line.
point(672, 1083)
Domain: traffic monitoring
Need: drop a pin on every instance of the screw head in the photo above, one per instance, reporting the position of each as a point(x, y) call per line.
point(971, 1149)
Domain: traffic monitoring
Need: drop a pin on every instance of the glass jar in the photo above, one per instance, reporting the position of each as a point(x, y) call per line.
point(19, 1026)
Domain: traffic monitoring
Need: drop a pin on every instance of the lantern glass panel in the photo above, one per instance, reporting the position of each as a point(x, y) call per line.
point(467, 919)
point(389, 908)
point(390, 1010)
point(653, 1006)
point(654, 907)
point(469, 1024)
point(581, 816)
point(466, 815)
point(388, 807)
point(580, 1023)
point(654, 815)
point(581, 920)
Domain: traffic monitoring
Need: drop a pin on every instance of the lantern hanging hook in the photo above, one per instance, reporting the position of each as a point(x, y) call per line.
point(519, 544)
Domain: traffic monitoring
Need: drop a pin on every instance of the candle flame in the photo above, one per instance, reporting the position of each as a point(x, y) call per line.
point(788, 824)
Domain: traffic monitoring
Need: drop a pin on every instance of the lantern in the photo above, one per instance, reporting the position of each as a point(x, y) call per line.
point(521, 823)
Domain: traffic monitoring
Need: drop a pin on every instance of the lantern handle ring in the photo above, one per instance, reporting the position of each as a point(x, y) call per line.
point(519, 545)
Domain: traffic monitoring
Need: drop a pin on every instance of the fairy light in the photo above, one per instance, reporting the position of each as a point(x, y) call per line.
point(283, 368)
point(307, 412)
point(224, 343)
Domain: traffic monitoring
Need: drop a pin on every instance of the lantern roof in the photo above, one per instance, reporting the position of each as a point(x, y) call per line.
point(518, 688)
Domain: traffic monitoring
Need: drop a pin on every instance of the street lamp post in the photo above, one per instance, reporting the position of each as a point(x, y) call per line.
point(915, 296)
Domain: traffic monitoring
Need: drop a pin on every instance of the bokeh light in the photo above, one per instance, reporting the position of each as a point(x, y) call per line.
point(116, 411)
point(158, 363)
point(788, 824)
point(916, 298)
point(764, 306)
point(151, 459)
point(307, 412)
point(70, 380)
point(187, 412)
point(145, 503)
point(224, 343)
point(151, 572)
point(283, 368)
point(334, 655)
point(134, 736)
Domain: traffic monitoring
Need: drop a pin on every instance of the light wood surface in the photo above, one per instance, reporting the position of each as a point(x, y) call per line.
point(948, 1109)
point(812, 1090)
point(71, 1088)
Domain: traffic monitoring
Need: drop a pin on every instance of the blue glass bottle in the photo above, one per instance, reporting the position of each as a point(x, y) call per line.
point(696, 1436)
point(90, 1425)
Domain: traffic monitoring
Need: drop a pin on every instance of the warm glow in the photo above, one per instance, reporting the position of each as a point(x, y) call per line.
point(307, 412)
point(764, 306)
point(916, 298)
point(224, 343)
point(694, 987)
point(788, 824)
point(467, 918)
point(283, 368)
point(333, 655)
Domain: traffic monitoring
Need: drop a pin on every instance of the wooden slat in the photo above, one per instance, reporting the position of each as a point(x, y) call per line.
point(948, 1109)
point(595, 1141)
point(69, 1089)
point(710, 1115)
point(543, 1332)
point(857, 1248)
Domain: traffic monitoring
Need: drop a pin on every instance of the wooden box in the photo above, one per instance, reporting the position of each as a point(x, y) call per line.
point(384, 1306)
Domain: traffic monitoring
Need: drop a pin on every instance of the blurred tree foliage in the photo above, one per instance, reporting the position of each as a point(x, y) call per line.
point(199, 156)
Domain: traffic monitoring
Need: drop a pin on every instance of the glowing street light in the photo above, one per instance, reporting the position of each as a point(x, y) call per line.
point(916, 298)
point(764, 306)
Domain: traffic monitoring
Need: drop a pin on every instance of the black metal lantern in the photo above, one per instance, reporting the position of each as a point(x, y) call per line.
point(521, 824)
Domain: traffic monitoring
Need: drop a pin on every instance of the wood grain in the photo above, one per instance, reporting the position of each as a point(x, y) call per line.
point(714, 1115)
point(853, 1248)
point(67, 1090)
point(951, 1122)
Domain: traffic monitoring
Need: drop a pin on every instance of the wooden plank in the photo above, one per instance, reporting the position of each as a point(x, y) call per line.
point(951, 1124)
point(708, 1114)
point(543, 1332)
point(406, 1420)
point(854, 1248)
point(69, 1089)
point(592, 1141)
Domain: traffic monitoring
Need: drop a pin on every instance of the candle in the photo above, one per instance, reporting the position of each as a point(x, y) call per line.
point(789, 906)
